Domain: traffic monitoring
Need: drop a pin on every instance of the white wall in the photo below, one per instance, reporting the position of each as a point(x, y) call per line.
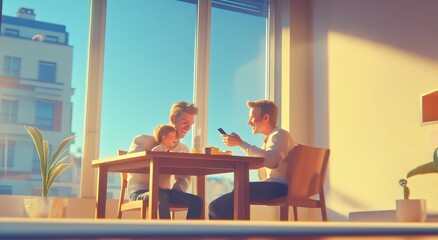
point(373, 60)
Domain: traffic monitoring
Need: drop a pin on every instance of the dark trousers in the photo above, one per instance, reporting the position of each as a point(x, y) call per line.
point(166, 196)
point(223, 206)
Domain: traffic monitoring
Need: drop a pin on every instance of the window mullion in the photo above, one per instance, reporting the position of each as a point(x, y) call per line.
point(202, 62)
point(93, 97)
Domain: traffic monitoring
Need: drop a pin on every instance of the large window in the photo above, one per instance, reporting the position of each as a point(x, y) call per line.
point(11, 66)
point(157, 68)
point(9, 110)
point(149, 64)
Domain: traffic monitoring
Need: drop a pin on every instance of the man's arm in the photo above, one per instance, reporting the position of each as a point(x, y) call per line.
point(276, 149)
point(142, 143)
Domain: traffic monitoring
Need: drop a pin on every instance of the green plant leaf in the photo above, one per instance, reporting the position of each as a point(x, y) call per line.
point(49, 171)
point(61, 149)
point(37, 138)
point(44, 170)
point(435, 158)
point(423, 169)
point(56, 171)
point(41, 147)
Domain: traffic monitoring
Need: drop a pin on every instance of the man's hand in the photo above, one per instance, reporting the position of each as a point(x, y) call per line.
point(231, 140)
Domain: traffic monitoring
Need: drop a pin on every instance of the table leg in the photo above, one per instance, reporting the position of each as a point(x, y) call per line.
point(102, 178)
point(200, 191)
point(154, 178)
point(241, 192)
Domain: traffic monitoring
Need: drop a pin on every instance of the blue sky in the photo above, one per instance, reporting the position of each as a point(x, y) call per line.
point(149, 64)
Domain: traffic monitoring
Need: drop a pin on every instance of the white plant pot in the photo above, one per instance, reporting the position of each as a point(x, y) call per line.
point(37, 207)
point(411, 210)
point(43, 207)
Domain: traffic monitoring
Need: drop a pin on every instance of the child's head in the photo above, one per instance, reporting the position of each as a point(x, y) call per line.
point(166, 135)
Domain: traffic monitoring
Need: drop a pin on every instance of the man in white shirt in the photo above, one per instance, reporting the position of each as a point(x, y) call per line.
point(263, 116)
point(182, 117)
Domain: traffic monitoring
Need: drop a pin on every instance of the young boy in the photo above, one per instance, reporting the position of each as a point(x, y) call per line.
point(165, 136)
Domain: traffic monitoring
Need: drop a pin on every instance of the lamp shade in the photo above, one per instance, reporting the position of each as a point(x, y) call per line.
point(429, 105)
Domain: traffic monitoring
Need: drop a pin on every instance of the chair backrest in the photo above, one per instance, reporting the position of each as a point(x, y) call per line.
point(307, 169)
point(123, 176)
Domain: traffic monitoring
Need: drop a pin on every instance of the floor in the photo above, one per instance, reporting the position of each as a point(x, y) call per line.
point(25, 228)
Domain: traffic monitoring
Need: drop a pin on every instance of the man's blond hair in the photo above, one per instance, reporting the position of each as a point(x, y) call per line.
point(162, 130)
point(178, 108)
point(266, 107)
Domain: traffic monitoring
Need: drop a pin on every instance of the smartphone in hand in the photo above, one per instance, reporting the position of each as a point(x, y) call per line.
point(221, 131)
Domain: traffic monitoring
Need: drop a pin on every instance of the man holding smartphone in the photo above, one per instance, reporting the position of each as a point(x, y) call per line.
point(263, 116)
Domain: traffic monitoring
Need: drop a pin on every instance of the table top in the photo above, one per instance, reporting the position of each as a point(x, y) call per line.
point(187, 163)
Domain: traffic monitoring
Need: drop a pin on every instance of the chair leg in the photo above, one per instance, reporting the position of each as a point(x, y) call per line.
point(143, 213)
point(295, 213)
point(284, 213)
point(322, 205)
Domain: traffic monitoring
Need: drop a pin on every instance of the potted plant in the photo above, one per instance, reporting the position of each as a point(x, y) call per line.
point(414, 210)
point(50, 170)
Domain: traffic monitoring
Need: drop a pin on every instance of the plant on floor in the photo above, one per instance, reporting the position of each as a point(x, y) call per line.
point(430, 167)
point(49, 170)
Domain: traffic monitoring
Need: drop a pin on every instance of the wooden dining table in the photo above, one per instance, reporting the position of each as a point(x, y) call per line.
point(193, 164)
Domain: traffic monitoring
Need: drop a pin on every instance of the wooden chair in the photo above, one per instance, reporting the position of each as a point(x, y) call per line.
point(125, 205)
point(306, 171)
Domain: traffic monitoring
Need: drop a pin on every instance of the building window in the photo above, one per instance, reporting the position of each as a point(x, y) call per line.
point(52, 39)
point(12, 66)
point(47, 71)
point(12, 32)
point(9, 110)
point(7, 153)
point(5, 190)
point(45, 115)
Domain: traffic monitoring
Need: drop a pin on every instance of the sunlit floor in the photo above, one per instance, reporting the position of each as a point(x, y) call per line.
point(24, 228)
